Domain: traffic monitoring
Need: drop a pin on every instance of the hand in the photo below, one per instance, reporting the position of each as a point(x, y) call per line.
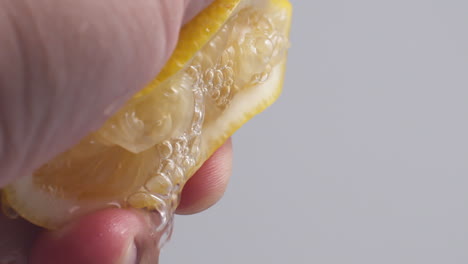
point(63, 64)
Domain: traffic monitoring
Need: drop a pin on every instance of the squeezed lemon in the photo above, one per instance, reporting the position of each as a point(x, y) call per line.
point(228, 66)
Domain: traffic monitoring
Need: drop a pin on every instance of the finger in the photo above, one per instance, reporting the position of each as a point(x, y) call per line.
point(208, 184)
point(106, 237)
point(66, 66)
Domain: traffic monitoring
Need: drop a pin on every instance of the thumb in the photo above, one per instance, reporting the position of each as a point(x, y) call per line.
point(66, 66)
point(106, 237)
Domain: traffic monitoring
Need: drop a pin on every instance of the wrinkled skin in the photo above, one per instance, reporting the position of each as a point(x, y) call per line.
point(65, 67)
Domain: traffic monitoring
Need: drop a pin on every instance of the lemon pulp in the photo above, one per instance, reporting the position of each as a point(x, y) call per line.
point(227, 67)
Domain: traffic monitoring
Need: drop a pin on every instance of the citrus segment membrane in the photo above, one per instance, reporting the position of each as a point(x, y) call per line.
point(145, 153)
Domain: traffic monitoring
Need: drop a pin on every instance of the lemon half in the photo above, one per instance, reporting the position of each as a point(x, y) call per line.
point(228, 66)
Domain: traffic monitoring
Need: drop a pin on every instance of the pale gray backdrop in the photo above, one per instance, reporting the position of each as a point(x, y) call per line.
point(364, 159)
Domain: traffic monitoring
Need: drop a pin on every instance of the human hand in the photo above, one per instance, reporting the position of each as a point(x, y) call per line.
point(63, 65)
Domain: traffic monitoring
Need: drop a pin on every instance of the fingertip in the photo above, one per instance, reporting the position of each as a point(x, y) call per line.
point(103, 237)
point(208, 184)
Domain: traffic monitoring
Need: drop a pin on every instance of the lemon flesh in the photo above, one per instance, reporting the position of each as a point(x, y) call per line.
point(227, 67)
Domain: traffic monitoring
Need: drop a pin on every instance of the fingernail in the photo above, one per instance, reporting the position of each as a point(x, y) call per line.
point(130, 255)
